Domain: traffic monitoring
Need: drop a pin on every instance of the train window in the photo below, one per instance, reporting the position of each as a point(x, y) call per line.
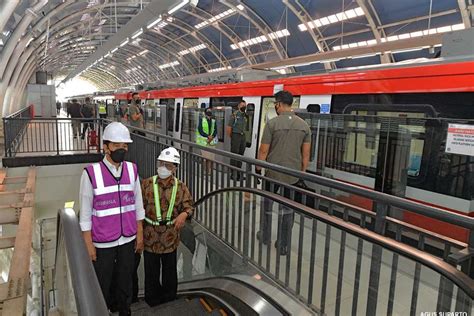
point(169, 113)
point(189, 121)
point(225, 101)
point(178, 112)
point(249, 125)
point(268, 111)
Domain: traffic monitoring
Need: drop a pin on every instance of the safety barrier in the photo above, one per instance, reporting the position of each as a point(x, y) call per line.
point(14, 127)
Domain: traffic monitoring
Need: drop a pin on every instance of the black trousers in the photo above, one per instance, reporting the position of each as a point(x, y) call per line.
point(138, 257)
point(120, 259)
point(285, 220)
point(85, 125)
point(237, 146)
point(164, 266)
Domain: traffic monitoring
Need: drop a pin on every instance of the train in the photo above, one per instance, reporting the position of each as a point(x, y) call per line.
point(382, 128)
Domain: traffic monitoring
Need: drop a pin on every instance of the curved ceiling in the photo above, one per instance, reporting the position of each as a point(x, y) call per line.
point(68, 38)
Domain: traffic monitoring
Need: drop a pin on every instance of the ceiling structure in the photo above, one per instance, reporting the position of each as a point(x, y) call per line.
point(114, 43)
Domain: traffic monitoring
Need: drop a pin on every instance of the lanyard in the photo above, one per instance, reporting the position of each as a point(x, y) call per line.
point(156, 195)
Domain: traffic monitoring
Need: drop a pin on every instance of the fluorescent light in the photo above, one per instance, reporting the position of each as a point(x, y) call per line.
point(108, 55)
point(124, 43)
point(114, 50)
point(137, 34)
point(192, 49)
point(143, 52)
point(218, 17)
point(152, 24)
point(178, 6)
point(219, 69)
point(240, 7)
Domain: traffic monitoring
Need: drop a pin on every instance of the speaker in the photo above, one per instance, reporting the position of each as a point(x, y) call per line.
point(41, 77)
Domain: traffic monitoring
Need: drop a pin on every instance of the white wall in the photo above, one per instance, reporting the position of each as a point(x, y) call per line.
point(43, 97)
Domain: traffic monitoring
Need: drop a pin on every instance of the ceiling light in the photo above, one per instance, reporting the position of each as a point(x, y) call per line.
point(124, 43)
point(334, 18)
point(152, 24)
point(137, 34)
point(178, 6)
point(143, 52)
point(114, 50)
point(219, 69)
point(171, 64)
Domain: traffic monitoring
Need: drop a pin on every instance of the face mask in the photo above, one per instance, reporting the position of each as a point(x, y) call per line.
point(137, 101)
point(242, 109)
point(163, 172)
point(118, 155)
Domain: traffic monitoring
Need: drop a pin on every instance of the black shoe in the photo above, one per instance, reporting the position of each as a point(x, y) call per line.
point(283, 249)
point(259, 237)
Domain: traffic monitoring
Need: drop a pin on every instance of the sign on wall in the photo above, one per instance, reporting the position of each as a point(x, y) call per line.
point(460, 139)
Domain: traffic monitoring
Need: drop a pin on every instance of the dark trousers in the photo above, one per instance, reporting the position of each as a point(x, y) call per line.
point(164, 266)
point(285, 220)
point(102, 116)
point(138, 257)
point(121, 260)
point(85, 125)
point(237, 146)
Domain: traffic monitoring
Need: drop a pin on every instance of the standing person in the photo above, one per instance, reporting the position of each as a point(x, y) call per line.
point(206, 135)
point(135, 114)
point(88, 112)
point(168, 203)
point(76, 115)
point(111, 215)
point(286, 141)
point(58, 108)
point(236, 132)
point(102, 109)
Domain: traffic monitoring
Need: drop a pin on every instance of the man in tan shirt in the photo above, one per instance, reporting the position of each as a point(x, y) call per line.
point(286, 141)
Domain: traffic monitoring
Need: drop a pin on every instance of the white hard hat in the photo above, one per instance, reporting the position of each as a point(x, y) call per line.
point(117, 133)
point(170, 154)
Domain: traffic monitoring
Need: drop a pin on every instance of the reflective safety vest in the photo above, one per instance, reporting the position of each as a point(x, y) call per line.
point(102, 109)
point(156, 194)
point(201, 140)
point(113, 203)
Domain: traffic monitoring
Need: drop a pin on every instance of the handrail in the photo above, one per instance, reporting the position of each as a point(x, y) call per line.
point(431, 211)
point(84, 281)
point(459, 278)
point(18, 112)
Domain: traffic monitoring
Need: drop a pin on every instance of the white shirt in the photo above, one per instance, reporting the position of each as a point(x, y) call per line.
point(86, 195)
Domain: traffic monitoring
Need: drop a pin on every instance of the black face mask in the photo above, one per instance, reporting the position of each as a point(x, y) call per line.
point(137, 101)
point(242, 109)
point(118, 155)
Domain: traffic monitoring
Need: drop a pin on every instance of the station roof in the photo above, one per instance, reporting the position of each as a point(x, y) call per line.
point(122, 43)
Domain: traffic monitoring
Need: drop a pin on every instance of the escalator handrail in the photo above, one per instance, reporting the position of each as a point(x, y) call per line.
point(206, 293)
point(463, 281)
point(87, 292)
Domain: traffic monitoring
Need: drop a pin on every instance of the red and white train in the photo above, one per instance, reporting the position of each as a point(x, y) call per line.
point(382, 128)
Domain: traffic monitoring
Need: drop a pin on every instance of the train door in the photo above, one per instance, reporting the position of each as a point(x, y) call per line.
point(177, 117)
point(251, 129)
point(149, 111)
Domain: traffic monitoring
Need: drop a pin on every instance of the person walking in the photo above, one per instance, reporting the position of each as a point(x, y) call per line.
point(236, 132)
point(168, 204)
point(58, 107)
point(102, 109)
point(135, 115)
point(206, 135)
point(286, 142)
point(74, 110)
point(111, 214)
point(88, 112)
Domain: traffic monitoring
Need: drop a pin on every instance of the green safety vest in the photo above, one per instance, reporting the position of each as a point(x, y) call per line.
point(156, 194)
point(102, 109)
point(201, 140)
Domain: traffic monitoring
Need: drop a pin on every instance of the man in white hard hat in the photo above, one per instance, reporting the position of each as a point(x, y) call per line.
point(111, 216)
point(168, 203)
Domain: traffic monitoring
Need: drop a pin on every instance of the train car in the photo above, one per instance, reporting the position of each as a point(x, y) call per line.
point(383, 129)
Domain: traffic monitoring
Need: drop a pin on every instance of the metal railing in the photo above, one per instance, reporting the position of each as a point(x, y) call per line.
point(193, 171)
point(334, 266)
point(43, 136)
point(76, 288)
point(14, 127)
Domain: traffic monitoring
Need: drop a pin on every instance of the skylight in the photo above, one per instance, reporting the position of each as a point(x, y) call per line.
point(218, 17)
point(261, 39)
point(399, 37)
point(192, 50)
point(338, 17)
point(171, 64)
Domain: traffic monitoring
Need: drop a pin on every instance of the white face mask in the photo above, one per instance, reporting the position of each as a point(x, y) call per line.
point(163, 172)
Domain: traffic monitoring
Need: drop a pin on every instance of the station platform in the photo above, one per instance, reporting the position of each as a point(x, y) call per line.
point(341, 259)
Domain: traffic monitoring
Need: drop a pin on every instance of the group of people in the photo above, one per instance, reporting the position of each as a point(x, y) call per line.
point(121, 217)
point(86, 112)
point(286, 141)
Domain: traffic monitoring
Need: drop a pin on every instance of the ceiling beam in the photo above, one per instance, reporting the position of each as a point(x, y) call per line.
point(150, 13)
point(428, 40)
point(465, 14)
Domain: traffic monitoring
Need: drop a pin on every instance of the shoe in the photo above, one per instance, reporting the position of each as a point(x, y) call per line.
point(259, 237)
point(283, 249)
